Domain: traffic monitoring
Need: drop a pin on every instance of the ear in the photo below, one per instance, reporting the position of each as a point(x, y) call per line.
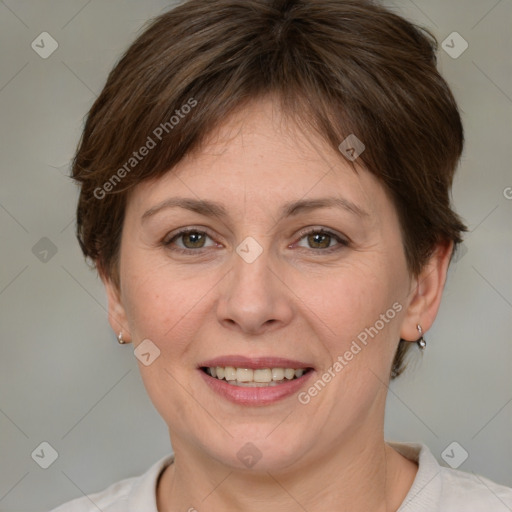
point(116, 312)
point(426, 292)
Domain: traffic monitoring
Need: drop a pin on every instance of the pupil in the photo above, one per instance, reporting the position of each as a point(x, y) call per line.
point(318, 238)
point(195, 239)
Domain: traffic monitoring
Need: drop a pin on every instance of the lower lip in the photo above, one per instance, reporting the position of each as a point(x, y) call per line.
point(255, 396)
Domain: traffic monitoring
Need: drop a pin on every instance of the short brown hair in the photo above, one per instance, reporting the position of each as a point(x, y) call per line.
point(338, 67)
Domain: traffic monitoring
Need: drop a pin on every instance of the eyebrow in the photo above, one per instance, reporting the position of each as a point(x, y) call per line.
point(290, 209)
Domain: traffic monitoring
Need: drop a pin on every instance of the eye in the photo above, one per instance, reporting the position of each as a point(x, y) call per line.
point(322, 239)
point(191, 239)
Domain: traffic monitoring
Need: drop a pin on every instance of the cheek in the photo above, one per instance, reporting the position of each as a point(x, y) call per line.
point(346, 299)
point(163, 303)
point(169, 309)
point(359, 304)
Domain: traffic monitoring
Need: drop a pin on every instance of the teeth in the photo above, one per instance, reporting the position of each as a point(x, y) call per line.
point(254, 378)
point(289, 373)
point(230, 373)
point(244, 375)
point(277, 374)
point(263, 375)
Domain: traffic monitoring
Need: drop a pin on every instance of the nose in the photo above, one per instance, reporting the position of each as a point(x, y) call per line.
point(254, 298)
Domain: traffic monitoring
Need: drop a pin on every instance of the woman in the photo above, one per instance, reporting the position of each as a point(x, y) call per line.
point(265, 192)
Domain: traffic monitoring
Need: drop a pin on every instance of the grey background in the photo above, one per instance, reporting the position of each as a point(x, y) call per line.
point(63, 377)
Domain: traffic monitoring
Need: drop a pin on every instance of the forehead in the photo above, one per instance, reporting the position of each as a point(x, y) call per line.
point(259, 155)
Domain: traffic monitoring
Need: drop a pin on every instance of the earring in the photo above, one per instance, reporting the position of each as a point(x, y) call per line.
point(120, 338)
point(422, 343)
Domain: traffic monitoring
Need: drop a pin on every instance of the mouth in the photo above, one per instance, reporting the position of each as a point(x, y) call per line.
point(255, 381)
point(254, 378)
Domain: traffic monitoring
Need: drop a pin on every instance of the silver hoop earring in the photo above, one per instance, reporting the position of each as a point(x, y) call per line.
point(422, 343)
point(120, 339)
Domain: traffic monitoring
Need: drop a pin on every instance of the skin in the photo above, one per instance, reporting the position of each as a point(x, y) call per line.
point(296, 300)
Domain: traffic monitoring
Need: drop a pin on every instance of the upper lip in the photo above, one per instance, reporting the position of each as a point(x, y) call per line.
point(254, 362)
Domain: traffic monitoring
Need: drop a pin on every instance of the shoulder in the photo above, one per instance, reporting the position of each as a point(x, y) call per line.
point(136, 493)
point(112, 499)
point(475, 492)
point(442, 489)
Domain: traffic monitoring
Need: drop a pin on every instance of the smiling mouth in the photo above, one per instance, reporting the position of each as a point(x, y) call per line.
point(257, 378)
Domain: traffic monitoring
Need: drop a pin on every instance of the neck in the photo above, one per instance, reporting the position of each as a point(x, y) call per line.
point(363, 474)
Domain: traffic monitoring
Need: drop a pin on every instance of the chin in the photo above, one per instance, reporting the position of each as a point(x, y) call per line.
point(259, 448)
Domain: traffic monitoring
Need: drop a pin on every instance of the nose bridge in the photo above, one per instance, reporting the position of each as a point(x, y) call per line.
point(251, 272)
point(253, 297)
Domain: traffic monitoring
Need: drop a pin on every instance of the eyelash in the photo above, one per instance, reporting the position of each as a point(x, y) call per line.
point(341, 241)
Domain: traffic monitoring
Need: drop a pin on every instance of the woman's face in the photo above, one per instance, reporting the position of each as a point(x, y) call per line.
point(298, 266)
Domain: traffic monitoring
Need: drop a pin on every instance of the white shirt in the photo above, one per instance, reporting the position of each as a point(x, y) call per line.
point(435, 489)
